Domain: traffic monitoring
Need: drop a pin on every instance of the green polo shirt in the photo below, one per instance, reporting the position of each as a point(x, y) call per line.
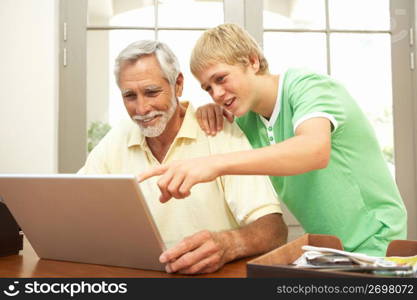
point(355, 196)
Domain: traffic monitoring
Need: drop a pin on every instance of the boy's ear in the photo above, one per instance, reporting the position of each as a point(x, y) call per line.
point(179, 85)
point(254, 62)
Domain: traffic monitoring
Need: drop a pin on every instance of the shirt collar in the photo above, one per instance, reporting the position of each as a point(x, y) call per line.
point(189, 128)
point(277, 106)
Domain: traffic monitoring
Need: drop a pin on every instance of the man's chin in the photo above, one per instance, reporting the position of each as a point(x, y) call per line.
point(151, 131)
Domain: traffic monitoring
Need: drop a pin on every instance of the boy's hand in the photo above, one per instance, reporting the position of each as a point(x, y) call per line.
point(210, 118)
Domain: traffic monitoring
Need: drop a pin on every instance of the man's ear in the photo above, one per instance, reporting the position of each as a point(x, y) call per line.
point(254, 63)
point(179, 85)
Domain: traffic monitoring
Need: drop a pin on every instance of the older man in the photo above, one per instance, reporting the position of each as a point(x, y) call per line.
point(225, 219)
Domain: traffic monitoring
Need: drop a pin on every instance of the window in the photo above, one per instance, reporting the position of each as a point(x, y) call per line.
point(347, 39)
point(338, 37)
point(112, 25)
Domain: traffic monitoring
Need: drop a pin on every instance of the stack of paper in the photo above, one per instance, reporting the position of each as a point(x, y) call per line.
point(338, 260)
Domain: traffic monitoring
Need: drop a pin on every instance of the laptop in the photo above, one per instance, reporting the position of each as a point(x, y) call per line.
point(100, 219)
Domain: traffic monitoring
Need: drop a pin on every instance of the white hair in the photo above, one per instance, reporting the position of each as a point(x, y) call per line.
point(166, 58)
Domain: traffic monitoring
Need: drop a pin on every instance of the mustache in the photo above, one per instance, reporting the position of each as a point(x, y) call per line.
point(149, 115)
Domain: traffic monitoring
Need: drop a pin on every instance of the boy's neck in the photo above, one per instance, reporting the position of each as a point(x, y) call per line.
point(267, 92)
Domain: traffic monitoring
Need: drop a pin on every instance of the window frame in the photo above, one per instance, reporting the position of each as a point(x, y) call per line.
point(72, 150)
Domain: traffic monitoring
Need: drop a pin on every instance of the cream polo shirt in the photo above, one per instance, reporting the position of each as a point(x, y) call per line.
point(226, 203)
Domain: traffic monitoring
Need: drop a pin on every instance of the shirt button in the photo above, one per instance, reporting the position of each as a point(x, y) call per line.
point(270, 128)
point(271, 138)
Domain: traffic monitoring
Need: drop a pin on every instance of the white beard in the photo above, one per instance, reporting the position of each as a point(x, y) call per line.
point(158, 128)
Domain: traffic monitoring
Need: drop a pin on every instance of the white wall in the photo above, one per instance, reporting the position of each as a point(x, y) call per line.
point(28, 86)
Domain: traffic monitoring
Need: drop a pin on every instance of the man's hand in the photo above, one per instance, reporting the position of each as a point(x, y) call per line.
point(203, 252)
point(206, 252)
point(179, 177)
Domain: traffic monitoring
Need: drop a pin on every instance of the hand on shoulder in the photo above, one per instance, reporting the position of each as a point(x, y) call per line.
point(210, 118)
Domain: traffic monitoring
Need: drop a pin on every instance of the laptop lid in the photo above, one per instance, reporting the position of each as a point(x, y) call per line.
point(100, 219)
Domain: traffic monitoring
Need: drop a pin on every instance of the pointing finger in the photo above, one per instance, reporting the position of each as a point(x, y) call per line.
point(159, 170)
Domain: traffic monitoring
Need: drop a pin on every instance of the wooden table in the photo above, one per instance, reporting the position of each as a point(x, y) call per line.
point(28, 264)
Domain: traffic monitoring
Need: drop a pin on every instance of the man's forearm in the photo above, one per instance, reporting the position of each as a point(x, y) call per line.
point(264, 234)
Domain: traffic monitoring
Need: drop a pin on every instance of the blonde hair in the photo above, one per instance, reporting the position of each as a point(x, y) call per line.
point(227, 43)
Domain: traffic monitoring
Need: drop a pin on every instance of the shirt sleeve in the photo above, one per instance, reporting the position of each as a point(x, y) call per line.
point(313, 95)
point(248, 197)
point(97, 160)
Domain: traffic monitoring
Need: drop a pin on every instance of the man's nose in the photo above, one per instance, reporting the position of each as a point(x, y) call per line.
point(142, 107)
